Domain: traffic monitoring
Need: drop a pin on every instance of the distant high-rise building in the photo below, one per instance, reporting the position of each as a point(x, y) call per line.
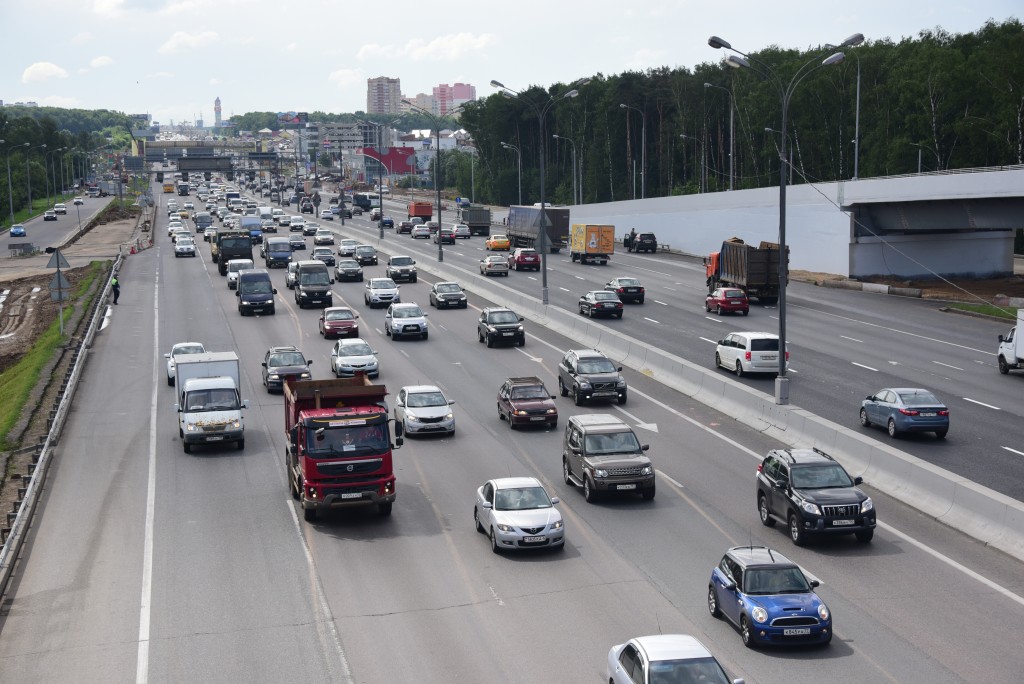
point(446, 97)
point(383, 95)
point(216, 112)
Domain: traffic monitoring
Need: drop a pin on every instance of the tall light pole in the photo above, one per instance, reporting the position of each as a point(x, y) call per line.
point(570, 141)
point(856, 127)
point(28, 173)
point(50, 171)
point(732, 130)
point(380, 179)
point(785, 90)
point(541, 110)
point(10, 190)
point(519, 163)
point(696, 156)
point(643, 149)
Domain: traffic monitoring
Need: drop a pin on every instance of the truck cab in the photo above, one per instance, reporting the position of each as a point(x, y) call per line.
point(209, 403)
point(1010, 355)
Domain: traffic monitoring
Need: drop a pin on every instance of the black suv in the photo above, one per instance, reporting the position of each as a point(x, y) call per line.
point(807, 490)
point(588, 374)
point(401, 268)
point(497, 324)
point(284, 363)
point(644, 242)
point(603, 455)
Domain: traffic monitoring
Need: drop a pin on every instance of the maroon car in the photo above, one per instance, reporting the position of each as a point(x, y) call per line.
point(339, 321)
point(525, 401)
point(731, 299)
point(524, 259)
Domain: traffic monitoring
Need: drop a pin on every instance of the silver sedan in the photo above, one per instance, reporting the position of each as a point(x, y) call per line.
point(517, 513)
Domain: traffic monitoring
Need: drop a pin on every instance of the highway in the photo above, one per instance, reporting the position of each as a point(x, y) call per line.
point(149, 564)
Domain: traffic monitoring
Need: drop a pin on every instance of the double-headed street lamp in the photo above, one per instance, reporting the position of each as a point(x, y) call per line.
point(519, 164)
point(541, 111)
point(50, 172)
point(742, 60)
point(643, 150)
point(380, 178)
point(732, 131)
point(574, 196)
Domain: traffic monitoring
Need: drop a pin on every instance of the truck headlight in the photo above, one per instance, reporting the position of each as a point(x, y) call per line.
point(809, 507)
point(759, 614)
point(190, 428)
point(236, 423)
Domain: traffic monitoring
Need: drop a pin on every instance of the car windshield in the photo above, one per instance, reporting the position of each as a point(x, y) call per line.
point(778, 580)
point(339, 315)
point(287, 359)
point(382, 284)
point(235, 266)
point(628, 282)
point(820, 477)
point(401, 261)
point(502, 317)
point(355, 349)
point(358, 438)
point(918, 398)
point(422, 399)
point(188, 349)
point(407, 312)
point(318, 277)
point(521, 498)
point(612, 443)
point(211, 400)
point(348, 263)
point(535, 392)
point(321, 251)
point(448, 288)
point(703, 670)
point(595, 366)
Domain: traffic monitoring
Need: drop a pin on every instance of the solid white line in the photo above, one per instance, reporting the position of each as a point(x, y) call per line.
point(707, 340)
point(565, 289)
point(852, 339)
point(146, 598)
point(650, 319)
point(662, 303)
point(863, 366)
point(1019, 453)
point(665, 476)
point(979, 403)
point(947, 365)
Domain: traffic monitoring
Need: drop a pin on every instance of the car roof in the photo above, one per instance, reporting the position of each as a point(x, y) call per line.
point(803, 456)
point(283, 348)
point(405, 305)
point(762, 335)
point(595, 420)
point(526, 380)
point(515, 482)
point(187, 344)
point(659, 647)
point(496, 309)
point(421, 389)
point(749, 556)
point(588, 354)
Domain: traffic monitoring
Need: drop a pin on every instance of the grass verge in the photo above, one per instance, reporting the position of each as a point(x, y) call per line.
point(1007, 313)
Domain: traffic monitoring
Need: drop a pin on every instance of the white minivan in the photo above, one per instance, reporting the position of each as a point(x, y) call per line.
point(749, 352)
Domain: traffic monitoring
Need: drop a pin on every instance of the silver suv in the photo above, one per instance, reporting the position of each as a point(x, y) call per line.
point(603, 455)
point(380, 292)
point(587, 374)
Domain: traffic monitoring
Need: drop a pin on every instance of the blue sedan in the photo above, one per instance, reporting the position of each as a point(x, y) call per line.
point(905, 409)
point(17, 230)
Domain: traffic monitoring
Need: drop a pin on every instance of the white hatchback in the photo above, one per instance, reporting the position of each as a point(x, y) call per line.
point(749, 352)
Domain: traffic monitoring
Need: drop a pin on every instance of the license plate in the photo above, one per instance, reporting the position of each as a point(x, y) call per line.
point(927, 415)
point(506, 334)
point(627, 486)
point(796, 631)
point(842, 522)
point(531, 540)
point(214, 439)
point(537, 418)
point(352, 495)
point(769, 357)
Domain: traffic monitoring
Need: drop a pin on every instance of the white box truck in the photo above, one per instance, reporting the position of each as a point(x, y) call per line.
point(210, 401)
point(1011, 347)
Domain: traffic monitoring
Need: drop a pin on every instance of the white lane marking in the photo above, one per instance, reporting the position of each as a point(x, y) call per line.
point(564, 289)
point(579, 277)
point(323, 607)
point(663, 475)
point(863, 366)
point(707, 340)
point(1019, 453)
point(981, 403)
point(714, 319)
point(671, 288)
point(529, 356)
point(495, 595)
point(650, 319)
point(852, 339)
point(146, 597)
point(532, 277)
point(659, 302)
point(653, 427)
point(947, 365)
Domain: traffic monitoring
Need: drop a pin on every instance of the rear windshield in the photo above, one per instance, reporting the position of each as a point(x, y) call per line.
point(763, 344)
point(919, 398)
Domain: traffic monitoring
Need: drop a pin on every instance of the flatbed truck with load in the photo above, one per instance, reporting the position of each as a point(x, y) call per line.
point(755, 270)
point(523, 228)
point(209, 400)
point(589, 242)
point(477, 217)
point(339, 445)
point(425, 210)
point(1010, 355)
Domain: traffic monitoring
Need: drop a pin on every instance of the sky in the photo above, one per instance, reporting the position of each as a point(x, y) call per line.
point(172, 58)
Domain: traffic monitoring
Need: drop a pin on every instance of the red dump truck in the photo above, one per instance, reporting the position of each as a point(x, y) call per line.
point(425, 210)
point(339, 444)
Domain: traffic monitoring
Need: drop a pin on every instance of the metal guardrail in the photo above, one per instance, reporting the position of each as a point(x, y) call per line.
point(25, 508)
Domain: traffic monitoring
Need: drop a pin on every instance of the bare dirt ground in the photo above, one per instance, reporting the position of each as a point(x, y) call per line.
point(958, 290)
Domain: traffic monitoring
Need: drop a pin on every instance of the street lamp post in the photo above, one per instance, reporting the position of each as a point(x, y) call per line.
point(785, 91)
point(732, 131)
point(436, 121)
point(519, 164)
point(10, 190)
point(856, 126)
point(28, 173)
point(380, 179)
point(643, 149)
point(541, 111)
point(52, 171)
point(696, 156)
point(570, 141)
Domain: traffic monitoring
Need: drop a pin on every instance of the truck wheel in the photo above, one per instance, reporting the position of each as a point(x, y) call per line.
point(187, 447)
point(309, 514)
point(292, 485)
point(240, 444)
point(1004, 367)
point(762, 510)
point(384, 509)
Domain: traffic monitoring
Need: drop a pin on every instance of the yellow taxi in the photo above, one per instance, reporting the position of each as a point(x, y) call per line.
point(498, 242)
point(183, 214)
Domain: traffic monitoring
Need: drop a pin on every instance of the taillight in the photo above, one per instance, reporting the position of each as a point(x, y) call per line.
point(759, 466)
point(642, 289)
point(909, 412)
point(747, 356)
point(944, 413)
point(787, 356)
point(621, 290)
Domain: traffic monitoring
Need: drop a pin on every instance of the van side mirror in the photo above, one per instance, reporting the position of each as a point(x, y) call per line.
point(1001, 340)
point(857, 480)
point(274, 290)
point(645, 447)
point(264, 364)
point(177, 408)
point(245, 403)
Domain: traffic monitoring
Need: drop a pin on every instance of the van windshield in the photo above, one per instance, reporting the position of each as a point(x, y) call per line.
point(317, 277)
point(222, 399)
point(255, 286)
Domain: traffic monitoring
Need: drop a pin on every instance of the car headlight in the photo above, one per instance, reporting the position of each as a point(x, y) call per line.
point(519, 329)
point(236, 424)
point(450, 416)
point(269, 301)
point(521, 412)
point(505, 528)
point(647, 470)
point(823, 611)
point(584, 384)
point(490, 328)
point(552, 410)
point(809, 507)
point(304, 375)
point(621, 383)
point(867, 505)
point(273, 376)
point(557, 525)
point(759, 614)
point(600, 472)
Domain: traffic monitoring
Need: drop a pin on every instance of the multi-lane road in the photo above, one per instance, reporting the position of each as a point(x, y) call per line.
point(146, 563)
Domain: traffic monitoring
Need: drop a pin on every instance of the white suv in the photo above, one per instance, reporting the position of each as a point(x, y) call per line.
point(749, 352)
point(380, 291)
point(405, 319)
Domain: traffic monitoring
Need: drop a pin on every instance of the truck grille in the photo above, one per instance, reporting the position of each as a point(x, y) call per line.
point(844, 511)
point(350, 467)
point(214, 428)
point(338, 491)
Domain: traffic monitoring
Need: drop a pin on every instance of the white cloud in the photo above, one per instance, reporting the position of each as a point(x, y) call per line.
point(160, 74)
point(82, 38)
point(214, 81)
point(291, 47)
point(107, 7)
point(181, 41)
point(41, 71)
point(344, 78)
point(644, 59)
point(101, 61)
point(185, 6)
point(83, 70)
point(448, 48)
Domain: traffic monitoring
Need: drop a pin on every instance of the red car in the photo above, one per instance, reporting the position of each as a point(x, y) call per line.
point(731, 299)
point(525, 401)
point(524, 259)
point(339, 321)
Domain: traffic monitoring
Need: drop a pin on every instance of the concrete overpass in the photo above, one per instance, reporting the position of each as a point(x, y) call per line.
point(958, 223)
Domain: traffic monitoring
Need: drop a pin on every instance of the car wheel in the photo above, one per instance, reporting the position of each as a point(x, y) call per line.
point(619, 316)
point(425, 334)
point(641, 301)
point(713, 603)
point(476, 520)
point(240, 445)
point(581, 310)
point(577, 399)
point(718, 310)
point(1004, 367)
point(588, 491)
point(170, 381)
point(864, 536)
point(649, 493)
point(864, 421)
point(745, 633)
point(718, 361)
point(501, 416)
point(561, 388)
point(746, 312)
point(941, 434)
point(567, 473)
point(893, 432)
point(479, 336)
point(494, 542)
point(739, 369)
point(621, 400)
point(796, 530)
point(762, 510)
point(490, 341)
point(707, 306)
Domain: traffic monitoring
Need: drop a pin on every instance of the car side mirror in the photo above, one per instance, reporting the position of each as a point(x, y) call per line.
point(238, 293)
point(521, 319)
point(177, 408)
point(414, 262)
point(554, 500)
point(815, 583)
point(857, 480)
point(619, 369)
point(332, 281)
point(552, 396)
point(645, 447)
point(451, 402)
point(730, 585)
point(264, 364)
point(309, 362)
point(167, 356)
point(869, 397)
point(245, 403)
point(487, 504)
point(274, 290)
